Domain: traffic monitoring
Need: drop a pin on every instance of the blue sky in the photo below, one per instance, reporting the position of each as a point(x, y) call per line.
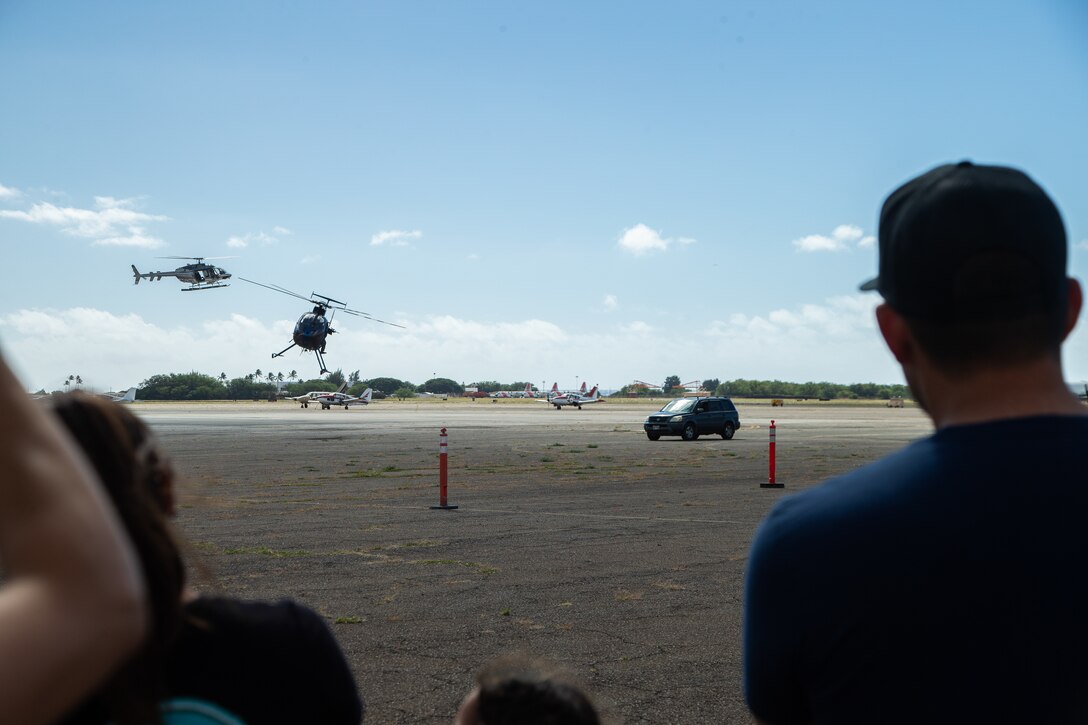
point(545, 192)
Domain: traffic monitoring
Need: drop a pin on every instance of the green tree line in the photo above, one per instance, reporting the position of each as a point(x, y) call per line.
point(741, 388)
point(260, 386)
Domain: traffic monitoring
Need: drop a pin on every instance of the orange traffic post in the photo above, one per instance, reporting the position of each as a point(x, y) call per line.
point(770, 480)
point(442, 471)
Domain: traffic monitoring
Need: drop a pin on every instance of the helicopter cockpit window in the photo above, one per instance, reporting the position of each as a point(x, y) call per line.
point(310, 324)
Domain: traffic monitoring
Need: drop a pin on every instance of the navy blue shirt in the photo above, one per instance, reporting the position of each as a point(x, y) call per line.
point(945, 583)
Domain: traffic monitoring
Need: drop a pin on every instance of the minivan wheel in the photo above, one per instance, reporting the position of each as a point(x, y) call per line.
point(728, 430)
point(690, 433)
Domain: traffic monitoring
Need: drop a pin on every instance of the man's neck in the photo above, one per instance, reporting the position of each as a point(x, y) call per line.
point(1032, 389)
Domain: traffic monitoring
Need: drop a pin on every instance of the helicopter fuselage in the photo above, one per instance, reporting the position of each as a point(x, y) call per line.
point(311, 330)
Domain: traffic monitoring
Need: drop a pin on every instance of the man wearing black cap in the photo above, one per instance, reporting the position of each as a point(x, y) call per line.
point(946, 582)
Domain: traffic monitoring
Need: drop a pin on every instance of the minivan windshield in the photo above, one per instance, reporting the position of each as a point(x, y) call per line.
point(681, 405)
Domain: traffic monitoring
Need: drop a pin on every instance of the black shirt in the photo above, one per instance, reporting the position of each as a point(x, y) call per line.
point(263, 662)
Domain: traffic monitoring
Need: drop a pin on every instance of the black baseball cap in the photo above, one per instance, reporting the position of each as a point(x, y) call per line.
point(966, 242)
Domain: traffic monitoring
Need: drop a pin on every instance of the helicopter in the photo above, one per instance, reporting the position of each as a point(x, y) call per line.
point(200, 276)
point(313, 327)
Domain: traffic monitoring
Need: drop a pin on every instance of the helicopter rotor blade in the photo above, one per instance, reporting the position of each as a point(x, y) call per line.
point(198, 259)
point(367, 316)
point(342, 305)
point(277, 288)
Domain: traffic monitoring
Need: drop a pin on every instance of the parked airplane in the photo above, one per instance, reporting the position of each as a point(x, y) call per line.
point(129, 396)
point(575, 399)
point(305, 399)
point(328, 400)
point(555, 392)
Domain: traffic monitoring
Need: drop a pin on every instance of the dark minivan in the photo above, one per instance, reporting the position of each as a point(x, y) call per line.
point(693, 417)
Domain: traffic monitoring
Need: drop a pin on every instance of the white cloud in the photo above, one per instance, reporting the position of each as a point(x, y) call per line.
point(847, 233)
point(7, 192)
point(282, 231)
point(137, 237)
point(112, 220)
point(611, 303)
point(818, 243)
point(841, 239)
point(1082, 244)
point(833, 339)
point(640, 240)
point(243, 241)
point(395, 237)
point(637, 328)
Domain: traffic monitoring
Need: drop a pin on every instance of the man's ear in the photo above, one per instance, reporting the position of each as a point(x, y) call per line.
point(896, 334)
point(1073, 305)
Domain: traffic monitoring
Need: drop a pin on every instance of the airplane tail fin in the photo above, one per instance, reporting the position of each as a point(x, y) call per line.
point(128, 397)
point(343, 387)
point(365, 397)
point(528, 390)
point(583, 390)
point(136, 274)
point(594, 394)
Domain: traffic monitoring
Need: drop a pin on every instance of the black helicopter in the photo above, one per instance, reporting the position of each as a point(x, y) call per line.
point(313, 327)
point(199, 275)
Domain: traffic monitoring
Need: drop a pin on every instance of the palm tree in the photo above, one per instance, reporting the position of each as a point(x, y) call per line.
point(271, 376)
point(79, 381)
point(279, 377)
point(223, 378)
point(293, 375)
point(257, 374)
point(69, 381)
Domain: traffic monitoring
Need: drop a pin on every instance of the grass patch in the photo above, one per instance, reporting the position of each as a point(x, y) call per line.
point(348, 620)
point(266, 551)
point(545, 459)
point(625, 596)
point(556, 445)
point(670, 586)
point(422, 544)
point(375, 472)
point(505, 612)
point(592, 445)
point(480, 568)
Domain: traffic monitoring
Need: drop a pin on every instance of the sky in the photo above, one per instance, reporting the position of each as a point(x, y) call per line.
point(552, 192)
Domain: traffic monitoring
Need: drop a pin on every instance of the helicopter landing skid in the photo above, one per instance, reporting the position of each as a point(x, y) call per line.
point(320, 360)
point(280, 353)
point(206, 286)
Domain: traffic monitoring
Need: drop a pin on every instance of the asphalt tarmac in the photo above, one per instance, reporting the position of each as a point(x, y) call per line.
point(575, 538)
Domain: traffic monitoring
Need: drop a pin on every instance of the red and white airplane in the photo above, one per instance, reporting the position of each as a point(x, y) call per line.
point(328, 400)
point(576, 399)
